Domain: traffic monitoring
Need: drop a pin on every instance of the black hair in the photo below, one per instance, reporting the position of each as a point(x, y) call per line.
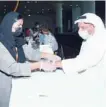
point(20, 16)
point(37, 23)
point(82, 17)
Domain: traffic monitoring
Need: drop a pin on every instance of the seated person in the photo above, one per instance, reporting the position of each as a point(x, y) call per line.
point(47, 38)
point(31, 49)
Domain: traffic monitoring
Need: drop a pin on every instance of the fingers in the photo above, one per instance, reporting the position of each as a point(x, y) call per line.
point(54, 58)
point(47, 66)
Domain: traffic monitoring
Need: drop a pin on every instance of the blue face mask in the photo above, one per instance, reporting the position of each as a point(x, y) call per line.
point(41, 38)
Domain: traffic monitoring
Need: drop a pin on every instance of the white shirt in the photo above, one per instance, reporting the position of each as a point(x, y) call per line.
point(89, 71)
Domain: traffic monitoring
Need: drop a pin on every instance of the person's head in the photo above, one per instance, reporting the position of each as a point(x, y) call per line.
point(88, 24)
point(17, 25)
point(45, 31)
point(37, 25)
point(12, 24)
point(28, 35)
point(86, 30)
point(27, 32)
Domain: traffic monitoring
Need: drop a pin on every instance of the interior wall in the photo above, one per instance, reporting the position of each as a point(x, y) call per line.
point(30, 20)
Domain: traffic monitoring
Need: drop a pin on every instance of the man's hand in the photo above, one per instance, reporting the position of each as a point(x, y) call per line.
point(51, 57)
point(47, 66)
point(58, 64)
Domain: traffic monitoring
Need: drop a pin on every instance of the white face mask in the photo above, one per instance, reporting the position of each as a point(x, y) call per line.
point(84, 34)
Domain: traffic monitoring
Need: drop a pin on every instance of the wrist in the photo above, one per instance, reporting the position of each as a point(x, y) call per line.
point(58, 64)
point(39, 65)
point(35, 65)
point(43, 55)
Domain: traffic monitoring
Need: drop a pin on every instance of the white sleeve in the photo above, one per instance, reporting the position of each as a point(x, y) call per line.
point(88, 57)
point(54, 43)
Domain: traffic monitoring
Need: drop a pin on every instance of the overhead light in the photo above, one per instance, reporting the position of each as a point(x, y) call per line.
point(4, 5)
point(29, 15)
point(28, 10)
point(28, 2)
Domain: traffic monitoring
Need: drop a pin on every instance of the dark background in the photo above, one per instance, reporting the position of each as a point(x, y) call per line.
point(70, 41)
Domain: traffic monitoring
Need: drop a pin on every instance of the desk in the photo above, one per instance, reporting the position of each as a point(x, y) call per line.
point(54, 89)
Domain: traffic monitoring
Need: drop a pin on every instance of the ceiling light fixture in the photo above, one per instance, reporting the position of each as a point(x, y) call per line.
point(28, 10)
point(4, 5)
point(28, 2)
point(24, 6)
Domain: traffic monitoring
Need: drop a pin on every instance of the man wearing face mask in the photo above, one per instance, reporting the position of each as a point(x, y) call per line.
point(89, 66)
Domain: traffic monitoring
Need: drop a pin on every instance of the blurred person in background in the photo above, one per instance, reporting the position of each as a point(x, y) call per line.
point(47, 38)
